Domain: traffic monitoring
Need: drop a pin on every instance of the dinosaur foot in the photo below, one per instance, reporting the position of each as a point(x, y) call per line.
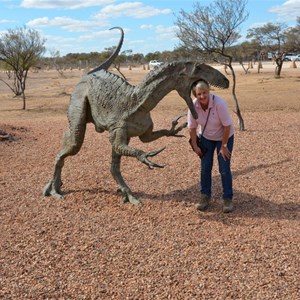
point(128, 197)
point(51, 190)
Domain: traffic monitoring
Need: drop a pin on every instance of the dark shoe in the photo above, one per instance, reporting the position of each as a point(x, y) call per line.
point(203, 203)
point(228, 206)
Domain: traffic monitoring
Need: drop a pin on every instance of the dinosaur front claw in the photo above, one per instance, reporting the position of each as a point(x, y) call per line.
point(174, 130)
point(143, 158)
point(153, 153)
point(151, 164)
point(175, 121)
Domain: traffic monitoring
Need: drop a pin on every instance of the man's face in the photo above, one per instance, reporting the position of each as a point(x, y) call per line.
point(202, 95)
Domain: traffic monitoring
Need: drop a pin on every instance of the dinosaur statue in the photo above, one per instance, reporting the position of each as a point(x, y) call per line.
point(114, 105)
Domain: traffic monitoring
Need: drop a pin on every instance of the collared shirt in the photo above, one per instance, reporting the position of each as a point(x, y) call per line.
point(218, 118)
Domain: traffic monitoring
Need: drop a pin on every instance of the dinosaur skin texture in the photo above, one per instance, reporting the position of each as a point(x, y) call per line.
point(112, 104)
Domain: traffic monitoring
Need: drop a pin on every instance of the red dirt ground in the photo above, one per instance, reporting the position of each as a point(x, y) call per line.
point(90, 246)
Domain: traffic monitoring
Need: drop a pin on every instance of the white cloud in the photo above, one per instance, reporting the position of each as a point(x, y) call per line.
point(163, 29)
point(2, 21)
point(162, 32)
point(99, 35)
point(105, 35)
point(147, 26)
point(289, 10)
point(69, 4)
point(135, 10)
point(257, 24)
point(66, 23)
point(97, 41)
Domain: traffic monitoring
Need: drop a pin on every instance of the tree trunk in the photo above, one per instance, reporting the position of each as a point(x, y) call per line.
point(259, 65)
point(242, 64)
point(237, 109)
point(24, 100)
point(279, 63)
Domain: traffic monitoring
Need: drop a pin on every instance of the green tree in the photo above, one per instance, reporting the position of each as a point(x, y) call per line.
point(20, 49)
point(210, 30)
point(246, 51)
point(270, 37)
point(293, 38)
point(153, 56)
point(55, 54)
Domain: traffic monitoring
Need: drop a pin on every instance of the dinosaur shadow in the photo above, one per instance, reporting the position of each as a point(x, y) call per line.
point(246, 204)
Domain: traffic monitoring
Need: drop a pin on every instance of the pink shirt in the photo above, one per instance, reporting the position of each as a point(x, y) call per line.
point(218, 118)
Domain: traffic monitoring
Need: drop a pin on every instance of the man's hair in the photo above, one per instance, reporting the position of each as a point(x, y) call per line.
point(202, 84)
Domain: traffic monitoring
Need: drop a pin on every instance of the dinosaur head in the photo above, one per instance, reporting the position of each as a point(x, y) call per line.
point(191, 72)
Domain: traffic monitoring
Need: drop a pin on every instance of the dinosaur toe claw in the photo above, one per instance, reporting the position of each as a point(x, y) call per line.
point(153, 153)
point(179, 135)
point(154, 165)
point(175, 121)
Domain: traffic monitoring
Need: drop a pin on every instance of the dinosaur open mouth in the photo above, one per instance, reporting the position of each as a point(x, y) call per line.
point(221, 85)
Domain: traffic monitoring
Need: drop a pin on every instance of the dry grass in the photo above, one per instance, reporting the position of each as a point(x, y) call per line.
point(90, 246)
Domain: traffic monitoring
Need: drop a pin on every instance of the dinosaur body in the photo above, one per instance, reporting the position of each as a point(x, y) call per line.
point(122, 109)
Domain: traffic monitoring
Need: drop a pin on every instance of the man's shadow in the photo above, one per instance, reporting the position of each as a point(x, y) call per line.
point(246, 204)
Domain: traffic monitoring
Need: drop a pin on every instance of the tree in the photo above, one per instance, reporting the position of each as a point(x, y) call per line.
point(20, 49)
point(270, 37)
point(245, 51)
point(293, 38)
point(55, 54)
point(153, 56)
point(211, 30)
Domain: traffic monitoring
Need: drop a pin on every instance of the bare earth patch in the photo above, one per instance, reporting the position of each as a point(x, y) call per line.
point(90, 246)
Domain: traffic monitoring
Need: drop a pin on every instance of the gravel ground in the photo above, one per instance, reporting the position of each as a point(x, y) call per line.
point(90, 246)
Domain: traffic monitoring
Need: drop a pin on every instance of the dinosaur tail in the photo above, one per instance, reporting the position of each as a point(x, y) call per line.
point(109, 61)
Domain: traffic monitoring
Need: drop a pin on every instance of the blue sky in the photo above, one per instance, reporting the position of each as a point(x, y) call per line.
point(71, 26)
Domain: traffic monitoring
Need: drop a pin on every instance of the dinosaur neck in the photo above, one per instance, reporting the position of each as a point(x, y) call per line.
point(155, 87)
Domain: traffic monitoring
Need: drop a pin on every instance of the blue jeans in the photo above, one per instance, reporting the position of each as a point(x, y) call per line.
point(224, 167)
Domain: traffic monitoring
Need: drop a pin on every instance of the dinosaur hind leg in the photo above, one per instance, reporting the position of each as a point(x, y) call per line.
point(72, 145)
point(127, 195)
point(73, 140)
